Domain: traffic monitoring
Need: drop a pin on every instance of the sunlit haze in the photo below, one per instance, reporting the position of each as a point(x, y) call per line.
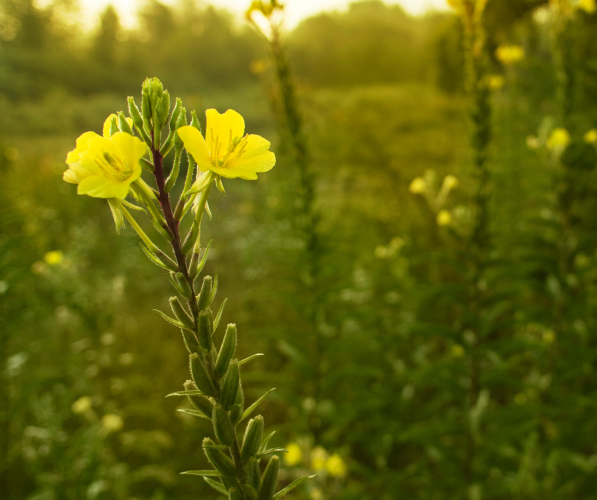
point(296, 10)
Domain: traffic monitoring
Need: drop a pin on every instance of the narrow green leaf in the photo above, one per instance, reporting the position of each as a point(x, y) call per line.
point(201, 473)
point(219, 316)
point(169, 266)
point(169, 319)
point(194, 413)
point(216, 486)
point(292, 486)
point(252, 408)
point(185, 393)
point(266, 440)
point(270, 451)
point(250, 358)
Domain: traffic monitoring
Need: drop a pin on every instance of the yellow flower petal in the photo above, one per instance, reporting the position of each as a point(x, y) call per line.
point(132, 150)
point(254, 157)
point(195, 144)
point(221, 129)
point(102, 187)
point(69, 176)
point(82, 142)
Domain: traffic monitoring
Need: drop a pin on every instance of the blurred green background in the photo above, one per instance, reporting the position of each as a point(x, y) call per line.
point(382, 383)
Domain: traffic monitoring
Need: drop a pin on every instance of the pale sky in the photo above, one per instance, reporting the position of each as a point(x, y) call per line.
point(296, 10)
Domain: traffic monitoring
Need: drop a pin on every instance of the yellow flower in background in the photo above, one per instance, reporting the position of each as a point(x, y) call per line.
point(451, 182)
point(589, 6)
point(444, 218)
point(335, 466)
point(294, 455)
point(316, 494)
point(591, 136)
point(418, 186)
point(112, 423)
point(495, 82)
point(53, 258)
point(105, 167)
point(81, 405)
point(225, 150)
point(559, 139)
point(318, 458)
point(509, 54)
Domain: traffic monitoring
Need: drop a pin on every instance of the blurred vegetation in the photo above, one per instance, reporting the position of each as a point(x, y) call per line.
point(382, 96)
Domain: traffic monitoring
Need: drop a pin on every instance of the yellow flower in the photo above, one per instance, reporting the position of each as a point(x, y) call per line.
point(318, 458)
point(81, 405)
point(495, 82)
point(225, 150)
point(509, 54)
point(418, 186)
point(444, 218)
point(336, 466)
point(591, 136)
point(53, 258)
point(451, 182)
point(559, 139)
point(112, 423)
point(589, 6)
point(105, 167)
point(294, 455)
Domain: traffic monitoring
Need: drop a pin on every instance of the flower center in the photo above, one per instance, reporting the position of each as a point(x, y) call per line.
point(113, 167)
point(236, 147)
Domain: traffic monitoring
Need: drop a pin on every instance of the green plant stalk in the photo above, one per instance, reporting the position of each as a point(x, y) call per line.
point(480, 242)
point(309, 215)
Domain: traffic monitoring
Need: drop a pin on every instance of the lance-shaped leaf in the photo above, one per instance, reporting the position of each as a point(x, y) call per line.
point(270, 479)
point(180, 313)
point(197, 264)
point(219, 316)
point(218, 459)
point(201, 473)
point(252, 408)
point(250, 358)
point(173, 321)
point(264, 453)
point(266, 440)
point(194, 413)
point(162, 261)
point(292, 486)
point(215, 485)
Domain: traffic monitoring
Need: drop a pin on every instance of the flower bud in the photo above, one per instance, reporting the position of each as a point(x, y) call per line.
point(184, 285)
point(270, 479)
point(218, 459)
point(203, 297)
point(181, 314)
point(226, 351)
point(200, 376)
point(222, 426)
point(124, 124)
point(201, 403)
point(253, 473)
point(252, 439)
point(205, 330)
point(190, 341)
point(230, 385)
point(195, 121)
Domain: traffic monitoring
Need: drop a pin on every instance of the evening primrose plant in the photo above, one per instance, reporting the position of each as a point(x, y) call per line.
point(110, 167)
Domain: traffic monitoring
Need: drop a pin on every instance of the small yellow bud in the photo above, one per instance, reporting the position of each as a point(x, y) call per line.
point(381, 252)
point(294, 455)
point(336, 466)
point(112, 423)
point(418, 186)
point(81, 405)
point(520, 398)
point(495, 82)
point(558, 140)
point(532, 142)
point(549, 336)
point(591, 136)
point(458, 351)
point(444, 218)
point(54, 258)
point(509, 54)
point(318, 458)
point(451, 182)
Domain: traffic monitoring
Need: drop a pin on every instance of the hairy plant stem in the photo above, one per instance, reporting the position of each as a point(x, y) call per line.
point(299, 143)
point(480, 244)
point(181, 260)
